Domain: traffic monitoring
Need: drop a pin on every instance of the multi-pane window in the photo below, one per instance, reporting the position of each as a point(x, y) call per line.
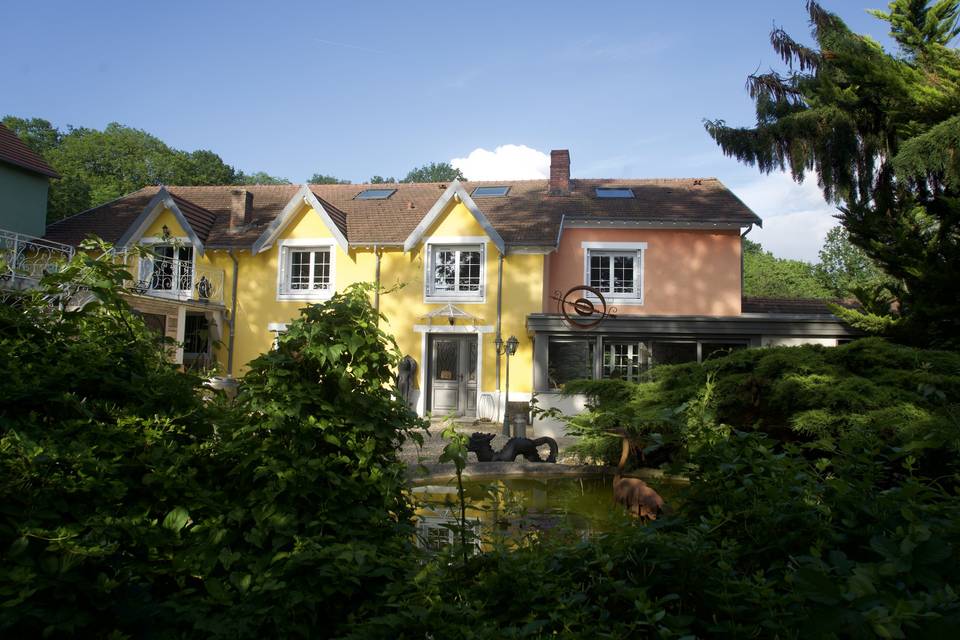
point(625, 360)
point(306, 272)
point(456, 271)
point(309, 269)
point(615, 273)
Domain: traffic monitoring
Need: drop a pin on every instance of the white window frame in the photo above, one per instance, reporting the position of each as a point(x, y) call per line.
point(284, 251)
point(458, 243)
point(146, 267)
point(635, 249)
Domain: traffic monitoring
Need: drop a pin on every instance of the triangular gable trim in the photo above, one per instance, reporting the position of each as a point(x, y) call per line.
point(455, 189)
point(157, 204)
point(303, 196)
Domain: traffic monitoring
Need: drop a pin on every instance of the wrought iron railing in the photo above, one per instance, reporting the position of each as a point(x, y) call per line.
point(179, 279)
point(28, 257)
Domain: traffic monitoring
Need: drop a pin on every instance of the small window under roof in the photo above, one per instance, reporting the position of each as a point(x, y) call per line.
point(375, 194)
point(490, 192)
point(614, 192)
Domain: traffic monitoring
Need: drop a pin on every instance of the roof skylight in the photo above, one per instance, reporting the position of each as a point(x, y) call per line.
point(614, 192)
point(375, 194)
point(490, 192)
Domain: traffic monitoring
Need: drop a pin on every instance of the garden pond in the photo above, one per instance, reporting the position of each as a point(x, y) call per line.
point(512, 510)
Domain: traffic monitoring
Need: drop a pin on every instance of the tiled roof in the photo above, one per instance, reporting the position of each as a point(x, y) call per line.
point(525, 216)
point(793, 306)
point(200, 219)
point(14, 151)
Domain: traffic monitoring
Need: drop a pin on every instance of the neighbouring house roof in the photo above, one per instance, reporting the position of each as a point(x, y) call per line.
point(793, 306)
point(14, 151)
point(526, 216)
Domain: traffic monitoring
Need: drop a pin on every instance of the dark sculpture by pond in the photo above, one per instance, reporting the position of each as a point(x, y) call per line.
point(480, 444)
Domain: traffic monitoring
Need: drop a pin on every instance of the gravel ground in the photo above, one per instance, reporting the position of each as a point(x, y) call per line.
point(433, 444)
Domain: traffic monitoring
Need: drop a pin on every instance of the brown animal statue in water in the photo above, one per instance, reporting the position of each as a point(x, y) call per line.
point(633, 493)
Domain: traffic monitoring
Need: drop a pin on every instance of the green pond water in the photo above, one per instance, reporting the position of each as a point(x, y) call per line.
point(509, 511)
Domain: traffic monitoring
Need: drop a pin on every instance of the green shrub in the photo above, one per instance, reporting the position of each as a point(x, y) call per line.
point(131, 507)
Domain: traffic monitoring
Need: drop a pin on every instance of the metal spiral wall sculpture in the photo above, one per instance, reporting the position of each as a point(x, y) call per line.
point(583, 306)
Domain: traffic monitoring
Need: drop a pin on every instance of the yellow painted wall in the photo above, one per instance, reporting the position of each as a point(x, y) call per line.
point(404, 306)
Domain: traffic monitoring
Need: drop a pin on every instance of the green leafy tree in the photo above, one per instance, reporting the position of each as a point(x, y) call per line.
point(881, 133)
point(38, 134)
point(382, 180)
point(765, 275)
point(259, 177)
point(845, 268)
point(321, 178)
point(434, 172)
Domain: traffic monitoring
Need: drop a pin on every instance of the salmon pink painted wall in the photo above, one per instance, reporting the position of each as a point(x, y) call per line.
point(685, 272)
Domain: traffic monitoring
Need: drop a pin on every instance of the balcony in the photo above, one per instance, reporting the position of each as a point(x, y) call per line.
point(176, 277)
point(25, 259)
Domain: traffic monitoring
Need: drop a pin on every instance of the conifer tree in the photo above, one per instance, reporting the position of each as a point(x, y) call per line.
point(881, 132)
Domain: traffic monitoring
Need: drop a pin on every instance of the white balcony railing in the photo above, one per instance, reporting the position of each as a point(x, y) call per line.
point(173, 278)
point(28, 257)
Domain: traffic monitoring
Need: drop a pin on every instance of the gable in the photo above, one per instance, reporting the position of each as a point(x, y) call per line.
point(304, 207)
point(452, 211)
point(164, 202)
point(306, 223)
point(167, 219)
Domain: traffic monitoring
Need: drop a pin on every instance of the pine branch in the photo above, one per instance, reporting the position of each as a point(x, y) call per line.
point(774, 86)
point(792, 52)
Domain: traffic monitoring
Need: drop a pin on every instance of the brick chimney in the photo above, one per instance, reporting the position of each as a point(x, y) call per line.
point(559, 172)
point(241, 204)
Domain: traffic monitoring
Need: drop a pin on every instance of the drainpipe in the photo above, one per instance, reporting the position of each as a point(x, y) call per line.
point(499, 308)
point(376, 292)
point(233, 313)
point(499, 336)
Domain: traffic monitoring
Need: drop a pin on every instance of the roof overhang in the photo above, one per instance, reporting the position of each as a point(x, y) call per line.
point(454, 191)
point(163, 200)
point(614, 223)
point(303, 197)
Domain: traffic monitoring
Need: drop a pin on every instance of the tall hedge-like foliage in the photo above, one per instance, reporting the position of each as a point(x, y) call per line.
point(132, 504)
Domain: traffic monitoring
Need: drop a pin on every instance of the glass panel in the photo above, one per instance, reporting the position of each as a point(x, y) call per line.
point(489, 192)
point(162, 268)
point(623, 274)
point(185, 268)
point(299, 270)
point(718, 349)
point(621, 360)
point(321, 269)
point(375, 194)
point(471, 348)
point(444, 270)
point(614, 193)
point(600, 272)
point(196, 334)
point(674, 352)
point(469, 271)
point(446, 359)
point(569, 360)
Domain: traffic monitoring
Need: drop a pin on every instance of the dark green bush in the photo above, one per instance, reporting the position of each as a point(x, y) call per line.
point(129, 506)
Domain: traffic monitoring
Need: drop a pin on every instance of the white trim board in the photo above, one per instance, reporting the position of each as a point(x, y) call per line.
point(463, 328)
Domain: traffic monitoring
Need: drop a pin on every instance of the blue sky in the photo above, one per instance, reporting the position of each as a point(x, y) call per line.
point(355, 89)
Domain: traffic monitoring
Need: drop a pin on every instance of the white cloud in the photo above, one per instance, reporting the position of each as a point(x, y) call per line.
point(796, 218)
point(506, 162)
